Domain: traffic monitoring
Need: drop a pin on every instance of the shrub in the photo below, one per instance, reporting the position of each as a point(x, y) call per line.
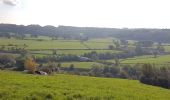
point(30, 64)
point(156, 76)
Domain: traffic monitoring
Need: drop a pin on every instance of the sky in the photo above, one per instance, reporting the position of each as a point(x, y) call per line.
point(87, 13)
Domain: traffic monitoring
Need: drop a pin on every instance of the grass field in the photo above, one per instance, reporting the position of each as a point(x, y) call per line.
point(45, 44)
point(20, 86)
point(161, 59)
point(167, 48)
point(106, 40)
point(98, 45)
point(55, 44)
point(149, 59)
point(80, 64)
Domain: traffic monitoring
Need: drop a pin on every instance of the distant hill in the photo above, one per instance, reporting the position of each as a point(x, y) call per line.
point(158, 35)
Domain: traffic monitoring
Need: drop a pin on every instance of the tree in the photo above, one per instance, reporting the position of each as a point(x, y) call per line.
point(58, 67)
point(138, 50)
point(160, 48)
point(111, 47)
point(54, 37)
point(155, 53)
point(114, 70)
point(54, 52)
point(7, 60)
point(96, 70)
point(117, 62)
point(30, 64)
point(20, 63)
point(117, 44)
point(71, 67)
point(51, 66)
point(94, 55)
point(148, 70)
point(3, 47)
point(156, 76)
point(146, 43)
point(34, 36)
point(124, 42)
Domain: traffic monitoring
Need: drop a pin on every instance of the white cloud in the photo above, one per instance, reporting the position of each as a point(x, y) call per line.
point(10, 2)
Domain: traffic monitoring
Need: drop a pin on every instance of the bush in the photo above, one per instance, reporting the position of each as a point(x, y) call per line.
point(156, 76)
point(7, 60)
point(123, 74)
point(71, 67)
point(30, 64)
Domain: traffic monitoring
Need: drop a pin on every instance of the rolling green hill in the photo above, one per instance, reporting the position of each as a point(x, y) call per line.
point(161, 59)
point(19, 86)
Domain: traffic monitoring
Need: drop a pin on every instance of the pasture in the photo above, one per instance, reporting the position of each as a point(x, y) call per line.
point(44, 45)
point(161, 59)
point(81, 64)
point(21, 86)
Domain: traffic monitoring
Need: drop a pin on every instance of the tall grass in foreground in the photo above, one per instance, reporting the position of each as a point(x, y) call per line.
point(19, 86)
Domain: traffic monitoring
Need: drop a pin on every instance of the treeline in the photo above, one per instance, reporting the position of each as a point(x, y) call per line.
point(108, 55)
point(69, 32)
point(59, 58)
point(158, 76)
point(146, 73)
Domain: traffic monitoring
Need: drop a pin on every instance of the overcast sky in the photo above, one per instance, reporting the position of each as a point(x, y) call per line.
point(92, 13)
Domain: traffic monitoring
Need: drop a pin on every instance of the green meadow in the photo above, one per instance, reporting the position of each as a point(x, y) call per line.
point(80, 64)
point(161, 59)
point(21, 86)
point(54, 44)
point(44, 44)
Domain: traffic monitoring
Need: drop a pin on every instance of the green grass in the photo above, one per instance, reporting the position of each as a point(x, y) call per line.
point(149, 59)
point(19, 86)
point(45, 44)
point(80, 64)
point(167, 48)
point(161, 59)
point(98, 45)
point(107, 40)
point(39, 37)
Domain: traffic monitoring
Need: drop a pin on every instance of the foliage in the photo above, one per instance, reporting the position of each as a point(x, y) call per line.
point(145, 43)
point(30, 64)
point(111, 47)
point(156, 76)
point(7, 60)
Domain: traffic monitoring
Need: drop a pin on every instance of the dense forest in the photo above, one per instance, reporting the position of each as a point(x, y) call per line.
point(157, 35)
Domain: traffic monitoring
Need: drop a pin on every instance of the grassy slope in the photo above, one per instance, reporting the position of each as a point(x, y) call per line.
point(46, 44)
point(55, 44)
point(80, 64)
point(15, 85)
point(149, 59)
point(167, 48)
point(161, 59)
